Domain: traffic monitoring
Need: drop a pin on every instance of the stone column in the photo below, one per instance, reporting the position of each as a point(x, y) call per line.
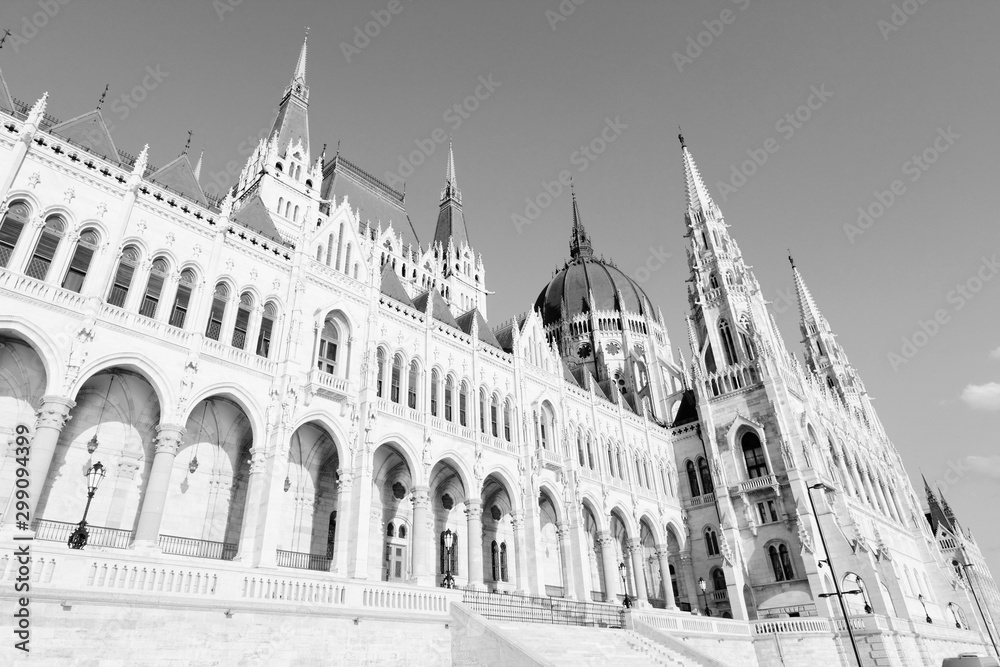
point(474, 544)
point(422, 573)
point(260, 530)
point(168, 441)
point(663, 555)
point(52, 416)
point(520, 553)
point(566, 556)
point(610, 565)
point(342, 539)
point(694, 593)
point(635, 550)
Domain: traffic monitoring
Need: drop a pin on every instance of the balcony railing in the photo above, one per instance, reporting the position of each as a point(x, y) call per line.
point(551, 459)
point(530, 609)
point(720, 596)
point(187, 546)
point(304, 561)
point(758, 483)
point(97, 536)
point(117, 296)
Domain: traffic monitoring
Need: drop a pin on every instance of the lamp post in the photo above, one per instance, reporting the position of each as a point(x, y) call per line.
point(986, 622)
point(449, 542)
point(626, 602)
point(833, 573)
point(704, 586)
point(78, 539)
point(927, 617)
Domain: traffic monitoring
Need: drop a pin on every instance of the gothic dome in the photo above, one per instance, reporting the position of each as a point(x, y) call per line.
point(572, 286)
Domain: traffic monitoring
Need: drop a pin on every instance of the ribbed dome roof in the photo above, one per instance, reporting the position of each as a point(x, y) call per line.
point(583, 276)
point(573, 285)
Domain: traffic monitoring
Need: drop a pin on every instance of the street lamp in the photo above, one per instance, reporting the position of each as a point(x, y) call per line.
point(989, 632)
point(927, 617)
point(78, 539)
point(626, 602)
point(449, 542)
point(833, 573)
point(703, 586)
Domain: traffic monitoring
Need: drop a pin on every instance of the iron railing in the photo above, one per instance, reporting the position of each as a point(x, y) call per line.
point(187, 546)
point(97, 536)
point(531, 609)
point(117, 296)
point(303, 561)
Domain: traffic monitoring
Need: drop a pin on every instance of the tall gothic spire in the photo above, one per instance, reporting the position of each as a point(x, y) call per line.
point(451, 219)
point(579, 244)
point(291, 126)
point(699, 202)
point(810, 317)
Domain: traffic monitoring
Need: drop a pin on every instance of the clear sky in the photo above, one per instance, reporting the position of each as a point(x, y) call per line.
point(900, 97)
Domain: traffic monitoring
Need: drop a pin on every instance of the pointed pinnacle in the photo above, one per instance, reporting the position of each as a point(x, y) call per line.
point(300, 66)
point(197, 167)
point(450, 173)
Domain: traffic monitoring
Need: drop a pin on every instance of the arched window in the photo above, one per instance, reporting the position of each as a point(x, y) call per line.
point(435, 388)
point(638, 471)
point(390, 530)
point(786, 562)
point(347, 258)
point(713, 281)
point(185, 286)
point(122, 281)
point(411, 385)
point(329, 346)
point(463, 403)
point(494, 416)
point(288, 209)
point(611, 461)
point(86, 246)
point(242, 323)
point(295, 214)
point(745, 334)
point(507, 416)
point(402, 531)
point(154, 286)
point(543, 430)
point(45, 248)
point(590, 453)
point(266, 330)
point(718, 579)
point(380, 373)
point(728, 346)
point(706, 476)
point(711, 542)
point(495, 560)
point(503, 562)
point(10, 230)
point(449, 390)
point(622, 473)
point(396, 378)
point(215, 317)
point(579, 449)
point(692, 474)
point(281, 200)
point(777, 566)
point(753, 455)
point(482, 409)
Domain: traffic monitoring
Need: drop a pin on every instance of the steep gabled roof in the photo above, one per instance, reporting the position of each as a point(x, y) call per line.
point(178, 175)
point(485, 335)
point(440, 310)
point(254, 215)
point(90, 131)
point(568, 374)
point(392, 288)
point(688, 410)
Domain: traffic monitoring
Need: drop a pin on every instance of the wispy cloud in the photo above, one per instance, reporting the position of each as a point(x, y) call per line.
point(982, 396)
point(995, 354)
point(985, 465)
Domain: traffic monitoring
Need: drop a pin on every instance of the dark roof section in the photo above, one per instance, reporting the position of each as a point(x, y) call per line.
point(374, 200)
point(572, 286)
point(6, 101)
point(451, 224)
point(568, 374)
point(505, 336)
point(440, 311)
point(90, 131)
point(392, 288)
point(178, 175)
point(254, 215)
point(485, 335)
point(688, 410)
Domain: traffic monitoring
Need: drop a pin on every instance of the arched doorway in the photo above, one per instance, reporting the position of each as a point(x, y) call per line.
point(548, 550)
point(449, 505)
point(309, 514)
point(620, 535)
point(499, 541)
point(594, 563)
point(203, 513)
point(650, 563)
point(114, 422)
point(390, 549)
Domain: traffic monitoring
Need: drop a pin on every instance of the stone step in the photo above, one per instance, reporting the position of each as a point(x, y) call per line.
point(582, 646)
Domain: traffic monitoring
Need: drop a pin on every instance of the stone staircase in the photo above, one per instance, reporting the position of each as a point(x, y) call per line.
point(580, 646)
